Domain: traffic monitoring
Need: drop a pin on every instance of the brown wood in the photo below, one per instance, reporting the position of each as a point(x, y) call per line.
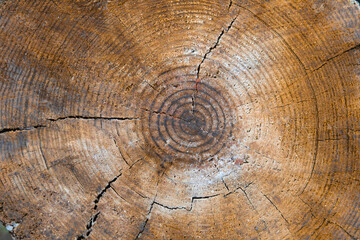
point(180, 119)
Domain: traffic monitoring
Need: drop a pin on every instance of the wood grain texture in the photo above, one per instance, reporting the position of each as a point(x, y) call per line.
point(164, 119)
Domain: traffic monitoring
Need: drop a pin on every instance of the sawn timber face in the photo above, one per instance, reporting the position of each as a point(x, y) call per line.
point(180, 119)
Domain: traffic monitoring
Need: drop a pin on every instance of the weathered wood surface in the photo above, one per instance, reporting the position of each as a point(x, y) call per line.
point(180, 119)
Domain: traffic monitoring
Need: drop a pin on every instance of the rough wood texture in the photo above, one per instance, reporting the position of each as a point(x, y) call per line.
point(180, 119)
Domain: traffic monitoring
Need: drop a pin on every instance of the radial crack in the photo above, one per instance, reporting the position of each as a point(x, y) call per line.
point(146, 220)
point(351, 236)
point(103, 191)
point(94, 118)
point(215, 45)
point(95, 216)
point(208, 52)
point(276, 208)
point(6, 130)
point(223, 181)
point(142, 229)
point(247, 197)
point(89, 226)
point(230, 4)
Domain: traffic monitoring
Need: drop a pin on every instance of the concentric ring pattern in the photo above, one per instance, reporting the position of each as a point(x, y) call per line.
point(190, 123)
point(180, 119)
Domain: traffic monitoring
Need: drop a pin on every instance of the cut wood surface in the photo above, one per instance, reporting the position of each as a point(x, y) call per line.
point(164, 119)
